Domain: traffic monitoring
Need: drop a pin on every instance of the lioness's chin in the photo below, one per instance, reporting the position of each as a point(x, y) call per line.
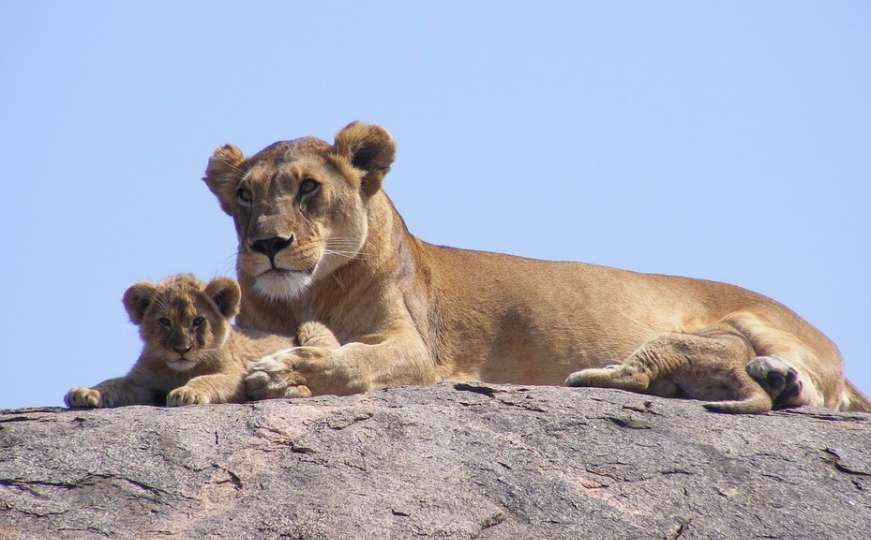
point(283, 284)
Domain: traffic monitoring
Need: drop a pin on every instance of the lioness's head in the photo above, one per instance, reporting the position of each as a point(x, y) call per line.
point(300, 206)
point(180, 318)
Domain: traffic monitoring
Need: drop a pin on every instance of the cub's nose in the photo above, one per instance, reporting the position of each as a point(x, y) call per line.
point(181, 349)
point(271, 246)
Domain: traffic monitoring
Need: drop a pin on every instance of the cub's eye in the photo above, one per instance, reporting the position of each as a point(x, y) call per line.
point(164, 322)
point(244, 195)
point(198, 321)
point(308, 186)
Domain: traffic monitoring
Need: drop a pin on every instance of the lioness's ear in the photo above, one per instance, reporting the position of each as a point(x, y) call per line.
point(136, 300)
point(225, 293)
point(370, 149)
point(222, 172)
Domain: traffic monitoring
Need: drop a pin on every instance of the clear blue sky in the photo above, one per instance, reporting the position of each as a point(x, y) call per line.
point(725, 140)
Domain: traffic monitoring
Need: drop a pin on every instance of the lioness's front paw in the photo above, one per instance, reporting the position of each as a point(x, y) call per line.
point(274, 363)
point(83, 398)
point(267, 377)
point(264, 385)
point(779, 379)
point(301, 370)
point(186, 395)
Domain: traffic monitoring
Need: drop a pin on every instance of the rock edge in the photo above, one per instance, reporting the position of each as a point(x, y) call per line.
point(464, 460)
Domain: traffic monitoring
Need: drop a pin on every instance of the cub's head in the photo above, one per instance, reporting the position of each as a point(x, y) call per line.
point(300, 206)
point(180, 319)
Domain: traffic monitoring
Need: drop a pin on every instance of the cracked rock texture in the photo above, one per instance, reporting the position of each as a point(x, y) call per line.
point(448, 460)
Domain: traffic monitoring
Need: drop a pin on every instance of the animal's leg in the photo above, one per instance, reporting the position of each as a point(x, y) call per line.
point(782, 381)
point(750, 398)
point(399, 358)
point(787, 368)
point(261, 384)
point(271, 380)
point(116, 392)
point(315, 334)
point(631, 376)
point(214, 388)
point(708, 365)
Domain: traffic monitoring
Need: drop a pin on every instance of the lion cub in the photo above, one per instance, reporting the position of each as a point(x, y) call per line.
point(191, 353)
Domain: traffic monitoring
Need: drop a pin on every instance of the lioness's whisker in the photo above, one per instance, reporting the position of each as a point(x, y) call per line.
point(347, 255)
point(347, 246)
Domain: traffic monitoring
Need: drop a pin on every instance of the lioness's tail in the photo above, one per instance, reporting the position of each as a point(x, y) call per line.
point(854, 400)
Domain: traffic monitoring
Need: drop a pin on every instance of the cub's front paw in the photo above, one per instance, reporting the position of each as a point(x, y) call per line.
point(185, 395)
point(83, 398)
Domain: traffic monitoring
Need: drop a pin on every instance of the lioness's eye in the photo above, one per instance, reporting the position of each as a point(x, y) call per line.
point(164, 322)
point(244, 195)
point(198, 321)
point(308, 186)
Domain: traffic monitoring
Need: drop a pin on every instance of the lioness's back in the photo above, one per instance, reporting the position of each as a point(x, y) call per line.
point(572, 302)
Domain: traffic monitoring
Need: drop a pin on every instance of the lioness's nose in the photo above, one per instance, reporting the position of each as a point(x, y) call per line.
point(271, 246)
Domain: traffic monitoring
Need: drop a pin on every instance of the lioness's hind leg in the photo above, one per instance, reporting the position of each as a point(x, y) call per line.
point(315, 334)
point(708, 365)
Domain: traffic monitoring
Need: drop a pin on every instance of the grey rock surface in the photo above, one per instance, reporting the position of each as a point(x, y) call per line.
point(462, 461)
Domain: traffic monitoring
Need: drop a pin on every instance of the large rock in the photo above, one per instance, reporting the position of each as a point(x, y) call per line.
point(459, 461)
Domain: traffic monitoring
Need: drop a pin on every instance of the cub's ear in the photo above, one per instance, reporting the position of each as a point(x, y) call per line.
point(222, 173)
point(136, 300)
point(225, 293)
point(369, 148)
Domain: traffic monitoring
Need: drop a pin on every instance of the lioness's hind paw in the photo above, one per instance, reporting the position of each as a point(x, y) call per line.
point(83, 398)
point(779, 379)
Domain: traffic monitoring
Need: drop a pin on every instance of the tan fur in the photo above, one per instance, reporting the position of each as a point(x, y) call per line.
point(218, 356)
point(707, 366)
point(414, 313)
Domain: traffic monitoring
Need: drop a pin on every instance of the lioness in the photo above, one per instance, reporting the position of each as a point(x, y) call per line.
point(319, 240)
point(191, 353)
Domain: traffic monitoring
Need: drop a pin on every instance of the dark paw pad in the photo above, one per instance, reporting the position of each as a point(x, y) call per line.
point(778, 378)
